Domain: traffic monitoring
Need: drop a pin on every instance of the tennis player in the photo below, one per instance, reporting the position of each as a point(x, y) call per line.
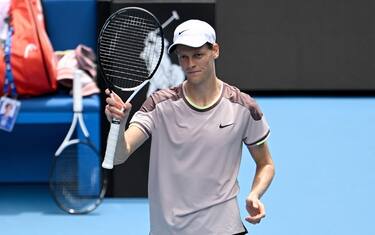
point(198, 130)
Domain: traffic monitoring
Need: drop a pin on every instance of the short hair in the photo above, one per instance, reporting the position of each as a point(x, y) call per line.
point(209, 45)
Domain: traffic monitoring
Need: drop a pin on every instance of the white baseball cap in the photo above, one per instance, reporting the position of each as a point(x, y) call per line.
point(193, 33)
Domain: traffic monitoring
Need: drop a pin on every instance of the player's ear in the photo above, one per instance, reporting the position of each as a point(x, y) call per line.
point(216, 50)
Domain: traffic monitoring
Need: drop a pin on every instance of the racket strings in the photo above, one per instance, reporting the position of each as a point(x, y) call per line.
point(131, 37)
point(115, 59)
point(76, 179)
point(141, 28)
point(132, 53)
point(129, 50)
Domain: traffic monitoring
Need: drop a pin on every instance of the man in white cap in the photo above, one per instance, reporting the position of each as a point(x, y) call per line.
point(198, 130)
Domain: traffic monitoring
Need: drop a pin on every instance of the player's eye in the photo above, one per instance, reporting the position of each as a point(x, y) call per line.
point(198, 55)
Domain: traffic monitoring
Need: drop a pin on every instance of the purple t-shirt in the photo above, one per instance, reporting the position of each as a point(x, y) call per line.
point(195, 158)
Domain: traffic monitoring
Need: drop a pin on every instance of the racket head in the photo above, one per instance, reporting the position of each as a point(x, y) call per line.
point(77, 182)
point(130, 48)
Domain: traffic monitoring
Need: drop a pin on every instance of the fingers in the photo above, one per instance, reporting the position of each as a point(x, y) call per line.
point(115, 107)
point(113, 99)
point(112, 112)
point(256, 211)
point(254, 219)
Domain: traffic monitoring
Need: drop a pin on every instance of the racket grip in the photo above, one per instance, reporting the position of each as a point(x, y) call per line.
point(111, 145)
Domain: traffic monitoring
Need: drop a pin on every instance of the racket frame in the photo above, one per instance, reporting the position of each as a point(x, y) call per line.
point(77, 115)
point(109, 84)
point(113, 134)
point(78, 119)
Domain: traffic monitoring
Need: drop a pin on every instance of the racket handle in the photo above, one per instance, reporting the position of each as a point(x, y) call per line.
point(111, 145)
point(77, 94)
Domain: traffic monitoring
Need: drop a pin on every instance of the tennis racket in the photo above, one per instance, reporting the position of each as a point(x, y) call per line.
point(77, 182)
point(130, 48)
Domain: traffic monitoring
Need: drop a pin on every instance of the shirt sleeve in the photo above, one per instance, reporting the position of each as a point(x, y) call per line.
point(143, 121)
point(256, 132)
point(257, 129)
point(144, 118)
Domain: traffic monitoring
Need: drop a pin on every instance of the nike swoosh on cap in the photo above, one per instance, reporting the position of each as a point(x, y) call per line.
point(182, 32)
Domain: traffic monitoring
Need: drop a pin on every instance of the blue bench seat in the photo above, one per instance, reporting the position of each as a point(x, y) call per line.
point(26, 153)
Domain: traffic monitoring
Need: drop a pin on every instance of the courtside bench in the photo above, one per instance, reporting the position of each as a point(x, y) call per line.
point(26, 153)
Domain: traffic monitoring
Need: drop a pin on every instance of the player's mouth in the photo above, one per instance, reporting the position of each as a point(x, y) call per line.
point(193, 72)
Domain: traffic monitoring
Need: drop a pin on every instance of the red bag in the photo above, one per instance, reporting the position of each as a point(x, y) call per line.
point(33, 63)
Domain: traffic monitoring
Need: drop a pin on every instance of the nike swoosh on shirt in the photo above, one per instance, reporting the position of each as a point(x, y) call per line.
point(223, 126)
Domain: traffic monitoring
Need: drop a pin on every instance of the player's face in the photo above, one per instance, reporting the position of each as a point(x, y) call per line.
point(198, 64)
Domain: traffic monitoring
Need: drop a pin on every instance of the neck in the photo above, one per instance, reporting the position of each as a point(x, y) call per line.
point(203, 94)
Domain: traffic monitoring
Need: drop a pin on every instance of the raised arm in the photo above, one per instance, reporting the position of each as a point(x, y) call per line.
point(131, 138)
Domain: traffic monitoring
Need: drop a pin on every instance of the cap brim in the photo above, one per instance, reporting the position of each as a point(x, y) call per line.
point(187, 41)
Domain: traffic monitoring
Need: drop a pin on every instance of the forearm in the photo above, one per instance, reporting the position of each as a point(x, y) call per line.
point(265, 169)
point(122, 151)
point(262, 179)
point(128, 142)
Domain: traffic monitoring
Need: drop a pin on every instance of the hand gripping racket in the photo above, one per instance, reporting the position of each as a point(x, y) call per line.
point(130, 48)
point(76, 181)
